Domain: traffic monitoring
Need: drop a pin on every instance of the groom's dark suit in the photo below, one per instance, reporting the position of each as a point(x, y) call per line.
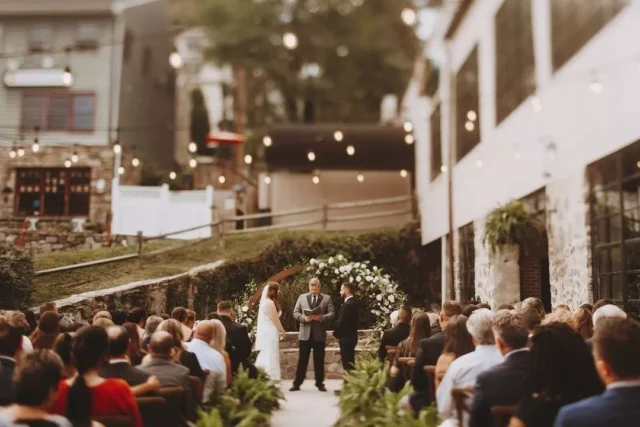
point(347, 332)
point(313, 335)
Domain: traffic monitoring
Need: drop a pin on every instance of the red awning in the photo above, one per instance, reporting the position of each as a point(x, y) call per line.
point(224, 138)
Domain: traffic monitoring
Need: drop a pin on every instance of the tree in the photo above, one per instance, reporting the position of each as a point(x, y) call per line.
point(361, 48)
point(200, 126)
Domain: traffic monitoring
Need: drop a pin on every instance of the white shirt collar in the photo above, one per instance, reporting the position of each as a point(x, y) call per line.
point(520, 350)
point(8, 358)
point(348, 298)
point(114, 361)
point(624, 384)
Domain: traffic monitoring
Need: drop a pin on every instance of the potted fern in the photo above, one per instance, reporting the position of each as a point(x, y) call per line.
point(507, 229)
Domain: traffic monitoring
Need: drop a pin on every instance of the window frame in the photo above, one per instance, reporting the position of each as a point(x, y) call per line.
point(42, 191)
point(70, 119)
point(467, 99)
point(87, 44)
point(30, 39)
point(467, 262)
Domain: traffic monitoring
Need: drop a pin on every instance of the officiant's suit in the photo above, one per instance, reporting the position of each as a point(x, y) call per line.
point(313, 335)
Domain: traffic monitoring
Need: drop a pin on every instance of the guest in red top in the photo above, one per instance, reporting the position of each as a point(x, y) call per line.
point(88, 395)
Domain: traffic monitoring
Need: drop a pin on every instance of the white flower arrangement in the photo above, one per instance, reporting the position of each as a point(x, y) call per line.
point(241, 310)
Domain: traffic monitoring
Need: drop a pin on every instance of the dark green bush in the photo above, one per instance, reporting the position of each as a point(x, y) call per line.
point(398, 251)
point(16, 278)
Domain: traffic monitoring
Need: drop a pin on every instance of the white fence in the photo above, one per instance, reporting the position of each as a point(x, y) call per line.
point(157, 211)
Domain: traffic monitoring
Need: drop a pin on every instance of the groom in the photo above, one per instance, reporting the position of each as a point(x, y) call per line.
point(313, 333)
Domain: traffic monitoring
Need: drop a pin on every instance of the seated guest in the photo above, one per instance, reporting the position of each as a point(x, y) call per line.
point(605, 311)
point(601, 303)
point(562, 307)
point(562, 372)
point(12, 325)
point(435, 323)
point(238, 341)
point(150, 327)
point(182, 316)
point(135, 352)
point(214, 316)
point(181, 354)
point(191, 319)
point(138, 316)
point(102, 314)
point(47, 306)
point(219, 343)
point(583, 323)
point(63, 348)
point(88, 395)
point(468, 309)
point(508, 307)
point(588, 307)
point(103, 323)
point(36, 381)
point(393, 336)
point(44, 337)
point(457, 342)
point(536, 304)
point(616, 349)
point(170, 374)
point(31, 319)
point(209, 358)
point(531, 319)
point(484, 305)
point(507, 382)
point(420, 329)
point(119, 365)
point(464, 370)
point(119, 317)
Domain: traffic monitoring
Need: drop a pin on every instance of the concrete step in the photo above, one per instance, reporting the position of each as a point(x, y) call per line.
point(291, 339)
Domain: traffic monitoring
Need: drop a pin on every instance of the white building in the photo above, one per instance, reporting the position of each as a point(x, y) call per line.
point(532, 98)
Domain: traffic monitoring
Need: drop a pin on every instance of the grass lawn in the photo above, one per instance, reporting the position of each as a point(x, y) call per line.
point(60, 285)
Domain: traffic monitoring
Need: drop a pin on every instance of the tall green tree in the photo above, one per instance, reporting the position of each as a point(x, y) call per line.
point(200, 126)
point(362, 48)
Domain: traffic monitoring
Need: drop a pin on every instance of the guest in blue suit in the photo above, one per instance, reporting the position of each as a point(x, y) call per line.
point(616, 350)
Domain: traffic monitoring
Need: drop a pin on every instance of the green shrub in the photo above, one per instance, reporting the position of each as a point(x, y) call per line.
point(16, 278)
point(228, 413)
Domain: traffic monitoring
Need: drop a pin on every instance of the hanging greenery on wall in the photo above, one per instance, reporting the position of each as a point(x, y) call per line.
point(510, 224)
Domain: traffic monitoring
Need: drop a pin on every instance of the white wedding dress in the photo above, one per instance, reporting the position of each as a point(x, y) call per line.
point(268, 338)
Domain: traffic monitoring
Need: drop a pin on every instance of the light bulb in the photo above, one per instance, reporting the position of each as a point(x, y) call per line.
point(469, 126)
point(193, 147)
point(638, 164)
point(471, 115)
point(360, 177)
point(175, 60)
point(517, 155)
point(408, 126)
point(444, 168)
point(135, 162)
point(20, 152)
point(35, 147)
point(193, 163)
point(338, 136)
point(67, 77)
point(536, 104)
point(351, 150)
point(13, 154)
point(267, 180)
point(172, 175)
point(403, 173)
point(290, 40)
point(221, 179)
point(74, 158)
point(342, 51)
point(121, 170)
point(67, 163)
point(595, 86)
point(409, 139)
point(311, 156)
point(248, 159)
point(117, 148)
point(408, 16)
point(267, 141)
point(479, 163)
point(315, 179)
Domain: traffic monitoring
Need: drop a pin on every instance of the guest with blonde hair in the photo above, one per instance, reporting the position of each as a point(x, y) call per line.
point(219, 343)
point(182, 355)
point(583, 323)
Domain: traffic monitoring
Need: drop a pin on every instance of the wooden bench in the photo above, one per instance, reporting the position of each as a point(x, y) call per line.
point(151, 409)
point(407, 361)
point(459, 396)
point(391, 352)
point(430, 370)
point(116, 421)
point(501, 415)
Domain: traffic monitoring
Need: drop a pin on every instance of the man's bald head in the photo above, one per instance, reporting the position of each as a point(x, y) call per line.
point(204, 331)
point(161, 344)
point(118, 341)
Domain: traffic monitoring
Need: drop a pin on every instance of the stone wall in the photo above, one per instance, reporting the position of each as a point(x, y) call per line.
point(484, 285)
point(569, 241)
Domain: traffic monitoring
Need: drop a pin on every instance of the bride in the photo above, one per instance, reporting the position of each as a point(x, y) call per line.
point(269, 331)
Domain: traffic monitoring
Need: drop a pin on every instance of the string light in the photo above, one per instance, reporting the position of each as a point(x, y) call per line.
point(351, 150)
point(248, 159)
point(35, 147)
point(135, 162)
point(408, 126)
point(311, 156)
point(20, 152)
point(175, 60)
point(444, 168)
point(517, 155)
point(403, 173)
point(360, 177)
point(471, 115)
point(172, 175)
point(342, 51)
point(193, 163)
point(117, 148)
point(315, 179)
point(267, 180)
point(469, 126)
point(595, 85)
point(221, 179)
point(409, 139)
point(67, 77)
point(74, 157)
point(67, 163)
point(536, 104)
point(12, 153)
point(479, 163)
point(290, 40)
point(193, 147)
point(121, 170)
point(267, 141)
point(338, 135)
point(408, 16)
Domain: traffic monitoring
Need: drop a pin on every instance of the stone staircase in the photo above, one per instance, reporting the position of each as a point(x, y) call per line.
point(332, 360)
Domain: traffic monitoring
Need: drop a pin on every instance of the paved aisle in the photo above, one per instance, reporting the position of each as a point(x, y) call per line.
point(308, 407)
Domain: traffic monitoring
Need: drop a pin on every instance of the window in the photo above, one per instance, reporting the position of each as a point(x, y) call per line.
point(467, 265)
point(41, 38)
point(127, 45)
point(87, 35)
point(467, 106)
point(575, 22)
point(58, 111)
point(614, 184)
point(515, 68)
point(53, 192)
point(146, 60)
point(436, 143)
